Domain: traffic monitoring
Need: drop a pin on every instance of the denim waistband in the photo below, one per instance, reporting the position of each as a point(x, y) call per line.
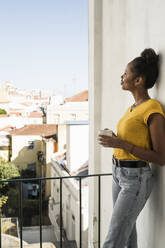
point(129, 163)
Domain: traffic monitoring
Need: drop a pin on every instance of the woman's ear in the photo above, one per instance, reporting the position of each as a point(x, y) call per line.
point(139, 81)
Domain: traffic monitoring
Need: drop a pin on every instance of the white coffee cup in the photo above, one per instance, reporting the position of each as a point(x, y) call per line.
point(106, 132)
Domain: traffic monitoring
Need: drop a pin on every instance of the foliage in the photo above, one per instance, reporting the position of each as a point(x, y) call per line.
point(11, 208)
point(3, 200)
point(7, 171)
point(3, 112)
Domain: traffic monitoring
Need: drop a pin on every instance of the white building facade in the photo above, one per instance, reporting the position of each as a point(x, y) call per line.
point(69, 111)
point(70, 206)
point(75, 134)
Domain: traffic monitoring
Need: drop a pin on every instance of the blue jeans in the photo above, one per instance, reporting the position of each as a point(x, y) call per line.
point(131, 188)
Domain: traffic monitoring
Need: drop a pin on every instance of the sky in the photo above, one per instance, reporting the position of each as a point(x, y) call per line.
point(44, 44)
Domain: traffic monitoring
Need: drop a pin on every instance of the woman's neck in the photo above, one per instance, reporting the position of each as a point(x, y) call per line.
point(140, 97)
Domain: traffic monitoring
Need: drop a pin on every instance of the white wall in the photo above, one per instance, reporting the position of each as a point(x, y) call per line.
point(18, 121)
point(21, 155)
point(69, 111)
point(61, 134)
point(70, 206)
point(77, 145)
point(118, 31)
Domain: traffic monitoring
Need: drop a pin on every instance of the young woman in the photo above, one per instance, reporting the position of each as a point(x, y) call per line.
point(140, 139)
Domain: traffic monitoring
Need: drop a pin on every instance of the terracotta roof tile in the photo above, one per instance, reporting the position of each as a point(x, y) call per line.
point(25, 104)
point(7, 128)
point(14, 109)
point(80, 97)
point(35, 129)
point(2, 116)
point(35, 114)
point(40, 98)
point(15, 113)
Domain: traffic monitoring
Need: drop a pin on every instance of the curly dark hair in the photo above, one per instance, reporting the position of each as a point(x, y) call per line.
point(146, 66)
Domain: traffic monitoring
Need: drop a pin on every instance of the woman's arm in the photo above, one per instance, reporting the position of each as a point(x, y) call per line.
point(156, 124)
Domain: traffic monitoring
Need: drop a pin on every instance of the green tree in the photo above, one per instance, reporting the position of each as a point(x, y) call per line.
point(7, 171)
point(3, 112)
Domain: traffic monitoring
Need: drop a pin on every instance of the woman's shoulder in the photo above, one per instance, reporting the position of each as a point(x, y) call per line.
point(153, 103)
point(152, 106)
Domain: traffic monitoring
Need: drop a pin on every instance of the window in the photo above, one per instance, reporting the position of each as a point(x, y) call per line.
point(31, 166)
point(30, 145)
point(73, 117)
point(57, 118)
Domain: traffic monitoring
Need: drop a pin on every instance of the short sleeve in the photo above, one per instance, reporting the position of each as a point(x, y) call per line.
point(153, 109)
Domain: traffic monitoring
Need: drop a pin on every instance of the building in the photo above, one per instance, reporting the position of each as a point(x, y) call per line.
point(67, 162)
point(73, 108)
point(4, 98)
point(71, 117)
point(17, 119)
point(71, 215)
point(30, 147)
point(80, 97)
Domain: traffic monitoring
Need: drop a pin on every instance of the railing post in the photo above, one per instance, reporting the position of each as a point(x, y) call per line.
point(21, 212)
point(99, 209)
point(80, 200)
point(60, 212)
point(40, 210)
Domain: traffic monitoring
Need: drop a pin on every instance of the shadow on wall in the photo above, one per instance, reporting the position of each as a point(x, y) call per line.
point(156, 214)
point(159, 82)
point(156, 206)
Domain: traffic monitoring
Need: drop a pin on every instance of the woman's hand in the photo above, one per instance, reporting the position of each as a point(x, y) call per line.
point(109, 141)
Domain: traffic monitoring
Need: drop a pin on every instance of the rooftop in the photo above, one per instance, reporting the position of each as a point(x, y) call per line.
point(35, 114)
point(7, 128)
point(80, 97)
point(4, 115)
point(15, 113)
point(35, 129)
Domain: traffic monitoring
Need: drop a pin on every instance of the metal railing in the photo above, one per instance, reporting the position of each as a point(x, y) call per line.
point(39, 180)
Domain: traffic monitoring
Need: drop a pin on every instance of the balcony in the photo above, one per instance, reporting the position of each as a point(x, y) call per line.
point(61, 240)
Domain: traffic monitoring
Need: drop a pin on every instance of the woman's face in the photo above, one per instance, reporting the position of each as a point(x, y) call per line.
point(128, 78)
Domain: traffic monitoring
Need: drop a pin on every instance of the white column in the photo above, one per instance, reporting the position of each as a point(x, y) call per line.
point(95, 78)
point(118, 32)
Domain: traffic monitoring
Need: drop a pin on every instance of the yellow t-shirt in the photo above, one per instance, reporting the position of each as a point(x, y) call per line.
point(133, 127)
